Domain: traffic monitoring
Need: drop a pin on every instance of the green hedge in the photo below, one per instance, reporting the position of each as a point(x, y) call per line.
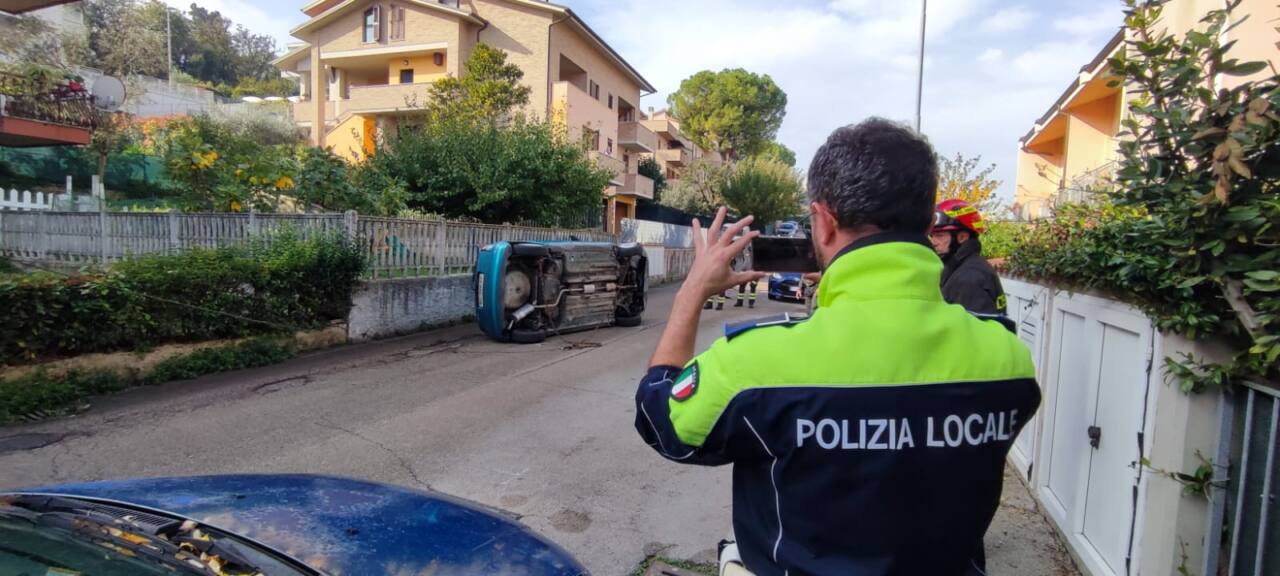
point(282, 283)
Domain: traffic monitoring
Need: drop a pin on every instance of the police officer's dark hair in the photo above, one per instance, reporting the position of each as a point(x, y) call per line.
point(877, 172)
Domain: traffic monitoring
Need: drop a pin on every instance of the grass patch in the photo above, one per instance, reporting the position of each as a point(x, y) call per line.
point(696, 567)
point(41, 395)
point(8, 267)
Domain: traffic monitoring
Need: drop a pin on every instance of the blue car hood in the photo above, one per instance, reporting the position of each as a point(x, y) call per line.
point(343, 526)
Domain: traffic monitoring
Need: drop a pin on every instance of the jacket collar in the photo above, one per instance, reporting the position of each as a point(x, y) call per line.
point(964, 252)
point(885, 266)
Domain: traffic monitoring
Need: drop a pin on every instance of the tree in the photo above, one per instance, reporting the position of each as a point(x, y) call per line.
point(961, 178)
point(733, 111)
point(127, 38)
point(763, 187)
point(699, 189)
point(458, 165)
point(490, 89)
point(779, 151)
point(649, 167)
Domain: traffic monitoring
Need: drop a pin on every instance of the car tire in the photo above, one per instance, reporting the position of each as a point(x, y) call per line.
point(627, 321)
point(528, 336)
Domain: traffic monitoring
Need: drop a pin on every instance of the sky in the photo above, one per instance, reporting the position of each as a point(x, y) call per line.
point(992, 67)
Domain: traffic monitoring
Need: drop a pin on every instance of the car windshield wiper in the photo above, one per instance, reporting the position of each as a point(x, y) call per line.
point(177, 543)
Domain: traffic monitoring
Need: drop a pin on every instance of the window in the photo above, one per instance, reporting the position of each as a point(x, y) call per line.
point(406, 76)
point(594, 89)
point(397, 22)
point(595, 140)
point(609, 149)
point(373, 24)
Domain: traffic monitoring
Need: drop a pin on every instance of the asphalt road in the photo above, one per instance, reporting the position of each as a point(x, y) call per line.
point(544, 432)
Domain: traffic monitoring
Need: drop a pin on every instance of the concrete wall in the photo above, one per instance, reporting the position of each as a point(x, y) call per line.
point(383, 308)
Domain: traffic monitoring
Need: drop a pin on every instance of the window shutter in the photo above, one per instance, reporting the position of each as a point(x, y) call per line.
point(377, 22)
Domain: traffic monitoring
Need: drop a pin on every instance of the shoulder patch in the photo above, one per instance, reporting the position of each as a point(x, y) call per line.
point(686, 384)
point(732, 331)
point(1004, 320)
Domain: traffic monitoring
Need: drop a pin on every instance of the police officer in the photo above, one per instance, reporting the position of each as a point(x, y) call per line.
point(871, 438)
point(967, 278)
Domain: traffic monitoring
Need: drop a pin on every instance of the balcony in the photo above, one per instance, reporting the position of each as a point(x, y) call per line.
point(635, 137)
point(636, 185)
point(386, 98)
point(613, 165)
point(32, 116)
point(675, 156)
point(303, 110)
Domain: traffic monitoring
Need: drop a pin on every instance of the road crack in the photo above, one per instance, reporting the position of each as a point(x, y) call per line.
point(404, 464)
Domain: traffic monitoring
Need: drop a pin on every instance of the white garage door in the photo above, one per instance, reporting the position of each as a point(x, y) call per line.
point(1094, 413)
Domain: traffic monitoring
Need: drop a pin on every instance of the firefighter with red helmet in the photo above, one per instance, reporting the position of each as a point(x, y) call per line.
point(967, 278)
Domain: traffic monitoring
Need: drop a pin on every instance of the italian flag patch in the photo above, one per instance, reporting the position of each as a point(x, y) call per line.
point(687, 384)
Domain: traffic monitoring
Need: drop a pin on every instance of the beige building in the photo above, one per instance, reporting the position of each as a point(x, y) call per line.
point(1071, 150)
point(366, 65)
point(674, 151)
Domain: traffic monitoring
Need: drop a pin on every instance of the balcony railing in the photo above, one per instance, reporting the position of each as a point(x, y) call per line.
point(387, 97)
point(613, 165)
point(635, 136)
point(1086, 185)
point(637, 185)
point(68, 105)
point(675, 156)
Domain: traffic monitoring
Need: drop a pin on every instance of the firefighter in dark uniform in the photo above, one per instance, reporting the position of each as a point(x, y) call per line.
point(869, 439)
point(967, 278)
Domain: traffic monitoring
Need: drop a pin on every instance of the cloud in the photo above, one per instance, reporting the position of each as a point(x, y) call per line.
point(1014, 19)
point(1105, 19)
point(253, 17)
point(840, 61)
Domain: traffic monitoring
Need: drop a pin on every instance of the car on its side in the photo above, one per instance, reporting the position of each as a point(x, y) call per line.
point(786, 286)
point(527, 291)
point(286, 524)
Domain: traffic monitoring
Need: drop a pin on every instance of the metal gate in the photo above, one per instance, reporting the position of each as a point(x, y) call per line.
point(1247, 510)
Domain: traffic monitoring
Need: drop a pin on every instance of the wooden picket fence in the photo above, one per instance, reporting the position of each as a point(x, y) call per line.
point(395, 247)
point(25, 200)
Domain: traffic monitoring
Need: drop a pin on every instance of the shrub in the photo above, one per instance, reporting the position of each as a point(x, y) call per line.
point(281, 283)
point(458, 166)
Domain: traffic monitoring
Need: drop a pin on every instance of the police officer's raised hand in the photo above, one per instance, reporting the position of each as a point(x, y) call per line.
point(711, 272)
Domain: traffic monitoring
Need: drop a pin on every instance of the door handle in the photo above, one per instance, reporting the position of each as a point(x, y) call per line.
point(1095, 436)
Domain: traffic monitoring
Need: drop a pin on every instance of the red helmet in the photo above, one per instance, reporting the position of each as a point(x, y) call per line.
point(958, 215)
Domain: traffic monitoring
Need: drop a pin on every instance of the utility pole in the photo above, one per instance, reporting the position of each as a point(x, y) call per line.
point(924, 10)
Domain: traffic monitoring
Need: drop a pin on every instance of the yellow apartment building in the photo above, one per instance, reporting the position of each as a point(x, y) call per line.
point(366, 65)
point(1071, 150)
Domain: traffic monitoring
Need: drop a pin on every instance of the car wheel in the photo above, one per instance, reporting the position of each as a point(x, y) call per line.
point(528, 336)
point(627, 321)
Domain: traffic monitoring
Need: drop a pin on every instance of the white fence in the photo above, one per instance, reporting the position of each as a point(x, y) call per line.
point(1107, 409)
point(395, 247)
point(25, 200)
point(657, 233)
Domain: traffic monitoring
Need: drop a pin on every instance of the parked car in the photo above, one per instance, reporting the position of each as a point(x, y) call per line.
point(526, 291)
point(788, 229)
point(271, 524)
point(786, 286)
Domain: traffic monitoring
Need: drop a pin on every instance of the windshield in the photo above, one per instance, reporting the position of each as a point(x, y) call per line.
point(55, 536)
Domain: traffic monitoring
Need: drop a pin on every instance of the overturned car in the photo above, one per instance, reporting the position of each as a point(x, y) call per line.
point(526, 291)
